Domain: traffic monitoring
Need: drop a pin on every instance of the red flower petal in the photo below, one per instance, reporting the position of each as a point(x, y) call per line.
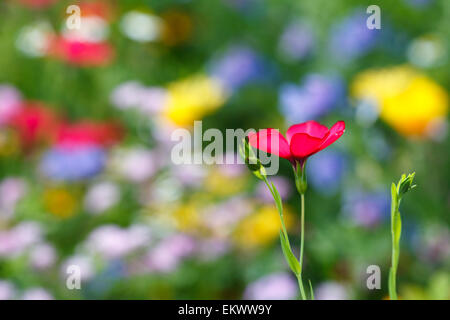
point(271, 141)
point(304, 145)
point(311, 128)
point(336, 131)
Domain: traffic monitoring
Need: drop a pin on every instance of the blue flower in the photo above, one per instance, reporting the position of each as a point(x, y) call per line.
point(296, 41)
point(350, 38)
point(326, 170)
point(72, 164)
point(366, 209)
point(237, 66)
point(313, 98)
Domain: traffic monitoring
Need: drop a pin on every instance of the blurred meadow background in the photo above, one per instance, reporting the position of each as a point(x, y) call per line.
point(86, 117)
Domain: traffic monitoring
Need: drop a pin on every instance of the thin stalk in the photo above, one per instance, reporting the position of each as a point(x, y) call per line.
point(395, 221)
point(302, 221)
point(283, 228)
point(300, 285)
point(302, 241)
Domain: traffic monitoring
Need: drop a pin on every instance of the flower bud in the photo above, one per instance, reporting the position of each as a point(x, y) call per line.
point(251, 160)
point(405, 184)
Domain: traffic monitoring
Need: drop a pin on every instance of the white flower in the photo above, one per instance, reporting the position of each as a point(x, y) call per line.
point(33, 40)
point(42, 256)
point(101, 196)
point(141, 27)
point(37, 294)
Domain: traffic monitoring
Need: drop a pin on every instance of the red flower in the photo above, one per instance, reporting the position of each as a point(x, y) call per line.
point(88, 133)
point(303, 140)
point(101, 9)
point(35, 123)
point(85, 54)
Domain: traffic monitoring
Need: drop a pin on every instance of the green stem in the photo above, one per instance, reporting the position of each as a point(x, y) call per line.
point(283, 226)
point(396, 232)
point(300, 285)
point(302, 241)
point(302, 221)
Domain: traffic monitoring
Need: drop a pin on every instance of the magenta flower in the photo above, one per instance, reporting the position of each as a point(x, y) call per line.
point(302, 140)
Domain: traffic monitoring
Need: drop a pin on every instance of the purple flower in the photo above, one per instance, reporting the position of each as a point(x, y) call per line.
point(313, 98)
point(210, 249)
point(148, 100)
point(37, 294)
point(135, 164)
point(14, 241)
point(112, 242)
point(7, 290)
point(42, 256)
point(434, 245)
point(189, 174)
point(11, 191)
point(73, 164)
point(351, 39)
point(281, 183)
point(10, 100)
point(277, 286)
point(326, 171)
point(366, 209)
point(296, 41)
point(331, 291)
point(101, 196)
point(237, 66)
point(220, 218)
point(167, 254)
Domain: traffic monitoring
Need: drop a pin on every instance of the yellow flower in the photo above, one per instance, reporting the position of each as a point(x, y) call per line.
point(192, 98)
point(409, 101)
point(261, 228)
point(9, 143)
point(60, 202)
point(220, 184)
point(186, 217)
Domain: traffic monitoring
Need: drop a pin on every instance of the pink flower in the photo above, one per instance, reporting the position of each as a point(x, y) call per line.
point(81, 53)
point(302, 140)
point(277, 286)
point(10, 102)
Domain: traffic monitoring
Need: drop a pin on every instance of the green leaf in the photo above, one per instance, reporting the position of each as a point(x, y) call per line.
point(277, 198)
point(311, 290)
point(289, 256)
point(279, 205)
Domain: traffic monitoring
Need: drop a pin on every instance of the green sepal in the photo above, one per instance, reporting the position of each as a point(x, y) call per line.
point(250, 159)
point(405, 184)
